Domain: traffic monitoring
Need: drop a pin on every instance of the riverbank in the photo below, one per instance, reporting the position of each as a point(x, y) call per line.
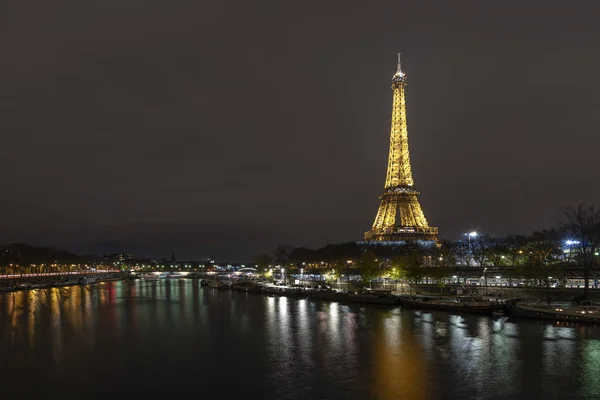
point(366, 297)
point(14, 284)
point(491, 306)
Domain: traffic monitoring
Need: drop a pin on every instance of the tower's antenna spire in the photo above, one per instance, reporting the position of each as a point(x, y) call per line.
point(399, 66)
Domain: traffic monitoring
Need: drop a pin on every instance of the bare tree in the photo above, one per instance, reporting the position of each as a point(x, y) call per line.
point(542, 248)
point(581, 224)
point(498, 251)
point(446, 255)
point(481, 249)
point(462, 252)
point(282, 254)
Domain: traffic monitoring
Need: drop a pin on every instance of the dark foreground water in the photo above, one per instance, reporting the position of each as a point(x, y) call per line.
point(169, 337)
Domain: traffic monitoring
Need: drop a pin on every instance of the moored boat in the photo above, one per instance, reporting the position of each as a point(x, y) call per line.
point(581, 313)
point(331, 295)
point(87, 280)
point(153, 276)
point(373, 298)
point(470, 306)
point(219, 283)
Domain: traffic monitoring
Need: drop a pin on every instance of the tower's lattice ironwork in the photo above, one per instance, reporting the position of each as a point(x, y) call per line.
point(400, 217)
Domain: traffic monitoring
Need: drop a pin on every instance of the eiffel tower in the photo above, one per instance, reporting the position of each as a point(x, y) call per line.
point(400, 217)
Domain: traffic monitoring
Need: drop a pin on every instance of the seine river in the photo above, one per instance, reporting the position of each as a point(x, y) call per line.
point(170, 337)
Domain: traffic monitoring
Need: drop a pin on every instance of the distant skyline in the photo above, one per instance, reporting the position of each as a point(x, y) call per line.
point(224, 128)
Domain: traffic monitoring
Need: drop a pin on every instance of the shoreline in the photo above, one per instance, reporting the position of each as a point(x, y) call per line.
point(20, 284)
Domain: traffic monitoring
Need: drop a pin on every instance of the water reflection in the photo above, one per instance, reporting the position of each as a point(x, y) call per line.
point(399, 369)
point(277, 347)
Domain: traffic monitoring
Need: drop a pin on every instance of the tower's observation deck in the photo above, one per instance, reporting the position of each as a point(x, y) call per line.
point(400, 217)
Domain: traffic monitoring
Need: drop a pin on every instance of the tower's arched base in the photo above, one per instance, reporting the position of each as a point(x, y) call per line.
point(394, 243)
point(402, 234)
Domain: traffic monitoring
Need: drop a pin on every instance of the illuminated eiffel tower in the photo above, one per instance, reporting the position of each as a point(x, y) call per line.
point(400, 217)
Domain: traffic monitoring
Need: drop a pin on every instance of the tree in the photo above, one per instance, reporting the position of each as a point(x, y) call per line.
point(397, 269)
point(282, 254)
point(581, 224)
point(498, 252)
point(446, 255)
point(515, 245)
point(439, 274)
point(462, 251)
point(481, 248)
point(369, 267)
point(302, 255)
point(541, 246)
point(334, 274)
point(414, 275)
point(263, 262)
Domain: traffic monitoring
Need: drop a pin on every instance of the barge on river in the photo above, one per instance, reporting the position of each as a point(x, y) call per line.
point(470, 305)
point(586, 312)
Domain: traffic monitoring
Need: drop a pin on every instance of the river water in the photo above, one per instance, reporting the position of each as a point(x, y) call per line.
point(175, 337)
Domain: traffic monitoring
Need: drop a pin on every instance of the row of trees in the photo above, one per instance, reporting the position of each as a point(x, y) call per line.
point(574, 240)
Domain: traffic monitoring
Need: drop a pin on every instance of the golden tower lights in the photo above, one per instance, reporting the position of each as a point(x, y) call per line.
point(400, 217)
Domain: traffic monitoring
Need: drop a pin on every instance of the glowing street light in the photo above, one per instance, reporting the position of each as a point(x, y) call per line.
point(469, 236)
point(484, 281)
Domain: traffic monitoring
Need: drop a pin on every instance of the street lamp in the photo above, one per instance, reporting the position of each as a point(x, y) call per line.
point(484, 282)
point(283, 273)
point(469, 251)
point(301, 275)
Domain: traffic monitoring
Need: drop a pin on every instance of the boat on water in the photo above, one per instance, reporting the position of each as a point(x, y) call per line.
point(153, 277)
point(373, 298)
point(87, 280)
point(585, 312)
point(470, 305)
point(218, 283)
point(246, 286)
point(370, 297)
point(328, 294)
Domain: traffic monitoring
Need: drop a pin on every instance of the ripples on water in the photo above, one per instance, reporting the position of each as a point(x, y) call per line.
point(174, 337)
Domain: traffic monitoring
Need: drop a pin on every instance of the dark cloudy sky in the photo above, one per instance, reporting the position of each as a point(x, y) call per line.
point(225, 127)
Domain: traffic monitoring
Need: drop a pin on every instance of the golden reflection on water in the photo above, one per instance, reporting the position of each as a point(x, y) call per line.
point(399, 369)
point(302, 346)
point(56, 310)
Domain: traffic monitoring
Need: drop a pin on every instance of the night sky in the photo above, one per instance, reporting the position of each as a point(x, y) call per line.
point(225, 127)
